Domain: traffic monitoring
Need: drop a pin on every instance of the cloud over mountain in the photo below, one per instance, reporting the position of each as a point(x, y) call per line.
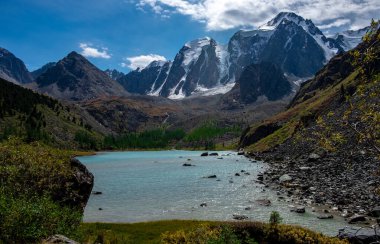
point(227, 14)
point(92, 52)
point(141, 61)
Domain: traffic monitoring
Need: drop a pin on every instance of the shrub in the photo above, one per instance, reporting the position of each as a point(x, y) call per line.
point(200, 235)
point(32, 176)
point(275, 218)
point(32, 168)
point(248, 232)
point(26, 219)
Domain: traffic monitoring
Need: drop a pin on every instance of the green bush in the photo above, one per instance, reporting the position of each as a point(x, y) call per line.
point(32, 168)
point(275, 218)
point(31, 176)
point(28, 219)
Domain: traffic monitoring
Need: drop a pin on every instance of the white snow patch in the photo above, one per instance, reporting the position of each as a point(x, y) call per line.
point(223, 57)
point(195, 49)
point(219, 89)
point(180, 94)
point(156, 93)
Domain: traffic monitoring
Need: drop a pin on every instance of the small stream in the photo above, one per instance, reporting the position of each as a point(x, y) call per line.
point(154, 185)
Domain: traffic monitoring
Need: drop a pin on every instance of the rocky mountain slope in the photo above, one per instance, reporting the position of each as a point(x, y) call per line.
point(42, 70)
point(204, 67)
point(326, 144)
point(114, 74)
point(75, 78)
point(13, 69)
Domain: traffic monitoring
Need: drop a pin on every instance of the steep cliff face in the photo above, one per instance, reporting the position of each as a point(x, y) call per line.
point(262, 80)
point(147, 80)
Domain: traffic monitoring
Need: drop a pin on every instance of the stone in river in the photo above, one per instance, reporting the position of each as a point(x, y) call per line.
point(325, 216)
point(239, 217)
point(204, 154)
point(264, 202)
point(211, 176)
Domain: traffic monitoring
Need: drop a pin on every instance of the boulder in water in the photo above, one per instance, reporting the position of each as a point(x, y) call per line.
point(210, 176)
point(239, 217)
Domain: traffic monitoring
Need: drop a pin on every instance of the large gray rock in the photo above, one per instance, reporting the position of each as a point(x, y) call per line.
point(357, 218)
point(77, 189)
point(358, 235)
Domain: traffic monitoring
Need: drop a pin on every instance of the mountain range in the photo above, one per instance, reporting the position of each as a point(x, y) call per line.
point(293, 45)
point(204, 67)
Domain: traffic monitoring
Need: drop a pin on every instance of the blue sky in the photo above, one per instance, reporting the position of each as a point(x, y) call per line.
point(115, 32)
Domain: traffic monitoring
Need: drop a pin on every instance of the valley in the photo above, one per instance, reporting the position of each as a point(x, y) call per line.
point(281, 122)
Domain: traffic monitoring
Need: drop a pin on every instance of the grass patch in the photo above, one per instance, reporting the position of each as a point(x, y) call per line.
point(149, 232)
point(189, 231)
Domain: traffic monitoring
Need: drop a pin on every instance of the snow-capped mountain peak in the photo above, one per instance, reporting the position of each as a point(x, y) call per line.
point(329, 46)
point(289, 16)
point(198, 43)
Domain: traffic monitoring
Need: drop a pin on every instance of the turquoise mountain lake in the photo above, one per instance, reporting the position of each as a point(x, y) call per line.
point(153, 185)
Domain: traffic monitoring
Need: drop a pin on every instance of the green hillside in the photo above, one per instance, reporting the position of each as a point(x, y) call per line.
point(35, 117)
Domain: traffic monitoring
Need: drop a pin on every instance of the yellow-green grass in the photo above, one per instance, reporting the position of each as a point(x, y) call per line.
point(147, 232)
point(191, 231)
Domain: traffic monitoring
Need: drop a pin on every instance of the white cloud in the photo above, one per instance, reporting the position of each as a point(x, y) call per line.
point(336, 23)
point(141, 61)
point(227, 14)
point(91, 52)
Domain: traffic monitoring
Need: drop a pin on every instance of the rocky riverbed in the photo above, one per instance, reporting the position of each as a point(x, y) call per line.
point(330, 184)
